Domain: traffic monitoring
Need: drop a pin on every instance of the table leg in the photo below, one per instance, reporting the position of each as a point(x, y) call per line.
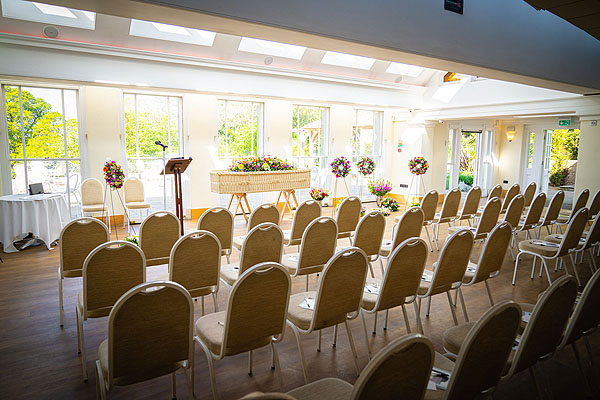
point(247, 204)
point(230, 201)
point(295, 199)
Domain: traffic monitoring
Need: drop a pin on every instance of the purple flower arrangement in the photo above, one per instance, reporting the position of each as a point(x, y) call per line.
point(340, 167)
point(390, 203)
point(380, 187)
point(113, 174)
point(418, 166)
point(264, 163)
point(365, 165)
point(318, 194)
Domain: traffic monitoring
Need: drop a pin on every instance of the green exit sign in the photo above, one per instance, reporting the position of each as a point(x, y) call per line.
point(564, 122)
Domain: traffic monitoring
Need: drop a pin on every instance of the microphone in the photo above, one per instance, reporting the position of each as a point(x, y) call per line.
point(164, 146)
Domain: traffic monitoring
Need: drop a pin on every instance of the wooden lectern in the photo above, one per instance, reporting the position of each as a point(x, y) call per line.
point(176, 166)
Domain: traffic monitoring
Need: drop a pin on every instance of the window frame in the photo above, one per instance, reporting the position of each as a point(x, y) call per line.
point(260, 128)
point(378, 156)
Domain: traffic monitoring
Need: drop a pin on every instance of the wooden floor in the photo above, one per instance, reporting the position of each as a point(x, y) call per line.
point(39, 360)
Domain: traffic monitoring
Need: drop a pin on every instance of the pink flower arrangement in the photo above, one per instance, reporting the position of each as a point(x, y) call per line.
point(318, 194)
point(418, 166)
point(365, 165)
point(340, 167)
point(380, 187)
point(113, 174)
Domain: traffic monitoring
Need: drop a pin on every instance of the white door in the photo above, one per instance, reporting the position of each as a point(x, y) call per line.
point(543, 186)
point(538, 148)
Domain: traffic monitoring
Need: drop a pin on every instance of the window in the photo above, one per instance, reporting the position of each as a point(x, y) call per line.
point(269, 48)
point(48, 14)
point(149, 118)
point(367, 135)
point(347, 60)
point(43, 140)
point(530, 151)
point(239, 129)
point(310, 149)
point(173, 33)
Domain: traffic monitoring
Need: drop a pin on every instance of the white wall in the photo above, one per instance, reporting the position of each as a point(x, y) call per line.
point(587, 164)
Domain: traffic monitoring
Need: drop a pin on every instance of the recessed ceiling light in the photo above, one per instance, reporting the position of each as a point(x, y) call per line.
point(404, 69)
point(270, 48)
point(54, 10)
point(347, 60)
point(173, 33)
point(111, 82)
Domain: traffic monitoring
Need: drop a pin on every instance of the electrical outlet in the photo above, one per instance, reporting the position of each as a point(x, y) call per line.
point(505, 181)
point(403, 185)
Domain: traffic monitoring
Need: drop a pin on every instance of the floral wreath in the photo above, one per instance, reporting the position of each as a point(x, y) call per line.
point(379, 187)
point(365, 165)
point(113, 174)
point(418, 166)
point(340, 167)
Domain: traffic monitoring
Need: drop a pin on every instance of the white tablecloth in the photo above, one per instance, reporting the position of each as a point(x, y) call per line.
point(44, 215)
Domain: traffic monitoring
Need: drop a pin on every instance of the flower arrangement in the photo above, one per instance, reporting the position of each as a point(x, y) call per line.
point(390, 203)
point(415, 204)
point(384, 210)
point(113, 174)
point(379, 187)
point(340, 167)
point(418, 166)
point(365, 165)
point(318, 194)
point(264, 163)
point(133, 239)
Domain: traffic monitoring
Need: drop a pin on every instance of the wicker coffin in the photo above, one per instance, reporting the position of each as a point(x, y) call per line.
point(227, 182)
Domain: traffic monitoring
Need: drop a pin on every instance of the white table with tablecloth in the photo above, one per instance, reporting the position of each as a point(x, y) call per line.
point(44, 215)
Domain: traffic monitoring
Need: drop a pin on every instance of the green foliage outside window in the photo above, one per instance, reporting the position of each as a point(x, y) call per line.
point(565, 147)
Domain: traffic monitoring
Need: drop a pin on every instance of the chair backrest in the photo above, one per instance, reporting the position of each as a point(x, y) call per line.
point(150, 332)
point(484, 352)
point(429, 204)
point(471, 202)
point(318, 244)
point(306, 212)
point(340, 288)
point(256, 309)
point(219, 221)
point(348, 214)
point(264, 243)
point(369, 233)
point(195, 262)
point(494, 249)
point(496, 191)
point(585, 316)
point(515, 210)
point(267, 212)
point(451, 203)
point(77, 239)
point(595, 204)
point(109, 271)
point(529, 193)
point(553, 210)
point(489, 217)
point(91, 192)
point(574, 231)
point(546, 325)
point(593, 235)
point(410, 225)
point(158, 233)
point(512, 192)
point(453, 261)
point(581, 201)
point(402, 276)
point(401, 370)
point(534, 214)
point(133, 189)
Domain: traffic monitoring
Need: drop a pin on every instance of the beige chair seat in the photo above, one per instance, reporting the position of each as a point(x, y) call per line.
point(94, 208)
point(238, 241)
point(557, 238)
point(287, 241)
point(136, 205)
point(445, 364)
point(230, 273)
point(327, 388)
point(290, 262)
point(423, 285)
point(343, 235)
point(454, 337)
point(563, 219)
point(369, 299)
point(97, 313)
point(386, 248)
point(546, 251)
point(73, 273)
point(299, 316)
point(438, 220)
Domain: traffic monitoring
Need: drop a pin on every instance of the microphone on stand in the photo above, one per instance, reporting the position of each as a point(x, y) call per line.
point(164, 146)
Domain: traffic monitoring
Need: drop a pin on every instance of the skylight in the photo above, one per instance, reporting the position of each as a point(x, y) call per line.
point(269, 48)
point(347, 60)
point(404, 69)
point(173, 33)
point(48, 14)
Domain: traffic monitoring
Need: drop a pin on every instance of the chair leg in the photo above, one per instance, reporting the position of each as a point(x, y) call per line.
point(297, 335)
point(334, 336)
point(381, 265)
point(60, 299)
point(364, 323)
point(173, 386)
point(545, 266)
point(462, 302)
point(574, 261)
point(227, 256)
point(455, 297)
point(593, 264)
point(418, 313)
point(276, 365)
point(387, 313)
point(406, 322)
point(591, 357)
point(375, 323)
point(189, 379)
point(429, 238)
point(489, 292)
point(214, 296)
point(211, 369)
point(250, 363)
point(533, 268)
point(307, 283)
point(319, 345)
point(516, 266)
point(202, 304)
point(428, 306)
point(352, 347)
point(100, 384)
point(452, 308)
point(586, 384)
point(81, 344)
point(535, 381)
point(371, 269)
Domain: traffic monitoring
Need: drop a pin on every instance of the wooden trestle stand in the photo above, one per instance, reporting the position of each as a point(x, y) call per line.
point(176, 166)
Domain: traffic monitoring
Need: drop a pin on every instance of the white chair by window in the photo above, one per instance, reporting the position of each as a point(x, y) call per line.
point(92, 199)
point(133, 191)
